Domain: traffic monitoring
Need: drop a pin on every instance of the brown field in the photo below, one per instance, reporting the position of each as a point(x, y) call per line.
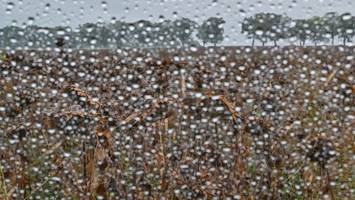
point(215, 123)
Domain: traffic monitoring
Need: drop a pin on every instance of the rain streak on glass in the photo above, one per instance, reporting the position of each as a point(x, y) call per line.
point(177, 99)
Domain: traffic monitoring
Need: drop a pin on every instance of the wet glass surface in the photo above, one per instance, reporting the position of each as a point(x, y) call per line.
point(177, 99)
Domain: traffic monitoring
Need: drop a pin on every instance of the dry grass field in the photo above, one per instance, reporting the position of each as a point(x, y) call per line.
point(211, 123)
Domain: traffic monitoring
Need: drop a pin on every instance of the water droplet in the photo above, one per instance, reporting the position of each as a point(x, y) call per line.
point(9, 7)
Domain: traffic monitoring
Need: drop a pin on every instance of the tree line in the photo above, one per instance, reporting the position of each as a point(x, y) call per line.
point(263, 27)
point(117, 34)
point(270, 27)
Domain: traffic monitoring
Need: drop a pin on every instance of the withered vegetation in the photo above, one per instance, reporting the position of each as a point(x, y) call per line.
point(218, 123)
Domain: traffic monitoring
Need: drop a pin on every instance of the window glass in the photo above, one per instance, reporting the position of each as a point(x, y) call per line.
point(177, 99)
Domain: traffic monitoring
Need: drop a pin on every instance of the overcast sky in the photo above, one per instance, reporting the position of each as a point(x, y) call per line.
point(74, 12)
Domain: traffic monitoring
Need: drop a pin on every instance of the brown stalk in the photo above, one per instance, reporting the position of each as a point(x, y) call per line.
point(183, 86)
point(71, 114)
point(143, 114)
point(163, 183)
point(227, 103)
point(3, 184)
point(330, 77)
point(54, 147)
point(229, 106)
point(84, 93)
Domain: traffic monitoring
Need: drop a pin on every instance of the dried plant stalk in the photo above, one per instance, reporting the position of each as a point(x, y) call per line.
point(143, 114)
point(84, 93)
point(330, 77)
point(183, 86)
point(230, 106)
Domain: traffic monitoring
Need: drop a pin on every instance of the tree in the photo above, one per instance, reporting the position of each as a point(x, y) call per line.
point(30, 36)
point(13, 37)
point(346, 27)
point(249, 28)
point(278, 27)
point(2, 38)
point(265, 27)
point(261, 27)
point(119, 30)
point(300, 30)
point(331, 25)
point(88, 33)
point(165, 34)
point(211, 31)
point(43, 37)
point(317, 29)
point(105, 36)
point(143, 32)
point(64, 32)
point(183, 30)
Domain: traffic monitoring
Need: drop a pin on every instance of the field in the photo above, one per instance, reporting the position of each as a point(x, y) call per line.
point(202, 123)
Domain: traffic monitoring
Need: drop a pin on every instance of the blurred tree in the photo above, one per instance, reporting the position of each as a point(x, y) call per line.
point(105, 36)
point(60, 42)
point(88, 33)
point(165, 34)
point(211, 31)
point(64, 32)
point(43, 37)
point(265, 27)
point(249, 28)
point(13, 37)
point(118, 29)
point(183, 30)
point(143, 32)
point(300, 30)
point(31, 36)
point(262, 25)
point(2, 38)
point(278, 27)
point(317, 29)
point(331, 25)
point(346, 27)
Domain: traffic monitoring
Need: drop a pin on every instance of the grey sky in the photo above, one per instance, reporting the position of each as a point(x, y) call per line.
point(74, 12)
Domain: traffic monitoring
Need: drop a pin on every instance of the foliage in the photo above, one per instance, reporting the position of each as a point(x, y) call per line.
point(262, 27)
point(299, 30)
point(346, 27)
point(316, 29)
point(273, 27)
point(266, 26)
point(117, 34)
point(331, 25)
point(211, 31)
point(183, 29)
